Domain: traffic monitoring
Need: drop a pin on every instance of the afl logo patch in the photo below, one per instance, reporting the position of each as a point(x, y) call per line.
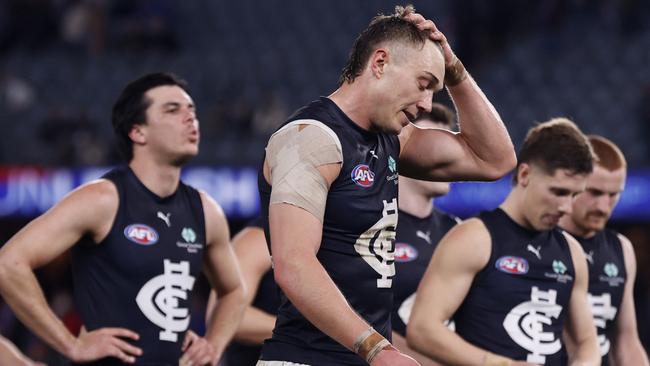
point(141, 234)
point(363, 176)
point(405, 252)
point(512, 265)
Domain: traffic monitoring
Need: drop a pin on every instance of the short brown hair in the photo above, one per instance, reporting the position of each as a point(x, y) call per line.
point(608, 155)
point(439, 114)
point(382, 28)
point(557, 144)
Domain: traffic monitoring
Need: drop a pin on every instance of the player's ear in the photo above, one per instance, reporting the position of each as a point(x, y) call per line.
point(138, 134)
point(378, 62)
point(523, 174)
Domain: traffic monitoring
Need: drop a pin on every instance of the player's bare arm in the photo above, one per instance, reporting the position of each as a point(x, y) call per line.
point(401, 344)
point(11, 355)
point(627, 348)
point(580, 326)
point(40, 242)
point(481, 150)
point(451, 271)
point(254, 259)
point(296, 235)
point(222, 270)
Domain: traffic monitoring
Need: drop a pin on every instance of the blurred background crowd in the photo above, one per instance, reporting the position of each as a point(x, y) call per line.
point(251, 63)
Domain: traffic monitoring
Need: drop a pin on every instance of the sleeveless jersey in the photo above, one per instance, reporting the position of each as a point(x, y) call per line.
point(415, 242)
point(607, 276)
point(141, 275)
point(266, 299)
point(357, 244)
point(517, 304)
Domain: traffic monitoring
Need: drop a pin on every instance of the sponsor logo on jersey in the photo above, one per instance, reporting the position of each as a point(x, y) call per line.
point(405, 252)
point(559, 272)
point(165, 218)
point(559, 267)
point(141, 234)
point(610, 270)
point(512, 265)
point(392, 165)
point(535, 250)
point(612, 277)
point(189, 236)
point(363, 176)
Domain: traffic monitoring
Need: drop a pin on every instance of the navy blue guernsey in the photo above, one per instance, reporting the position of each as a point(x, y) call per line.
point(266, 299)
point(607, 276)
point(141, 275)
point(414, 245)
point(357, 244)
point(517, 304)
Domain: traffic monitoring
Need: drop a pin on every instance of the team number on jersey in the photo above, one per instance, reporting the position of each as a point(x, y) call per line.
point(376, 245)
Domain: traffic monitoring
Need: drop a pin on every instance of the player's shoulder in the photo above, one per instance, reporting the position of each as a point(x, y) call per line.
point(572, 242)
point(90, 204)
point(311, 131)
point(469, 243)
point(628, 249)
point(210, 206)
point(470, 233)
point(97, 193)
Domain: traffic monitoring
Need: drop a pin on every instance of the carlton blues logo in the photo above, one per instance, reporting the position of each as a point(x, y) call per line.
point(141, 234)
point(512, 265)
point(363, 176)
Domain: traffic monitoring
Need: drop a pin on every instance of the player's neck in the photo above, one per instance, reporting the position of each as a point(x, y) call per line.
point(567, 224)
point(353, 104)
point(513, 208)
point(416, 205)
point(161, 179)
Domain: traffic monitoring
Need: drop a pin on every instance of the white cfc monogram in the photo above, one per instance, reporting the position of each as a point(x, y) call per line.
point(525, 325)
point(158, 299)
point(601, 307)
point(376, 245)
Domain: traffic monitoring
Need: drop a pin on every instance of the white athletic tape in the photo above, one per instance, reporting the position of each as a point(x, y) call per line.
point(293, 155)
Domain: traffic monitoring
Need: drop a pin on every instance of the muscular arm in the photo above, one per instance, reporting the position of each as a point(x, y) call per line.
point(580, 326)
point(400, 343)
point(482, 150)
point(89, 210)
point(10, 355)
point(450, 272)
point(254, 261)
point(295, 240)
point(222, 270)
point(626, 346)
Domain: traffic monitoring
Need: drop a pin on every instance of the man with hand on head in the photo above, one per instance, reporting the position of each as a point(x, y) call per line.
point(328, 187)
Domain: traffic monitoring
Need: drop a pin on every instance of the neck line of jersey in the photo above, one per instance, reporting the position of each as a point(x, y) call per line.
point(348, 120)
point(156, 197)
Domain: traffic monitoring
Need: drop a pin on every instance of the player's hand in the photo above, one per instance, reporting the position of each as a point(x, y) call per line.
point(105, 342)
point(197, 351)
point(393, 357)
point(436, 35)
